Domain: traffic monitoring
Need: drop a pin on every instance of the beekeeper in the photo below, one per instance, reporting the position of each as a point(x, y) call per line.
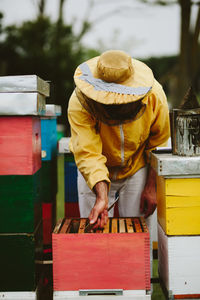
point(118, 113)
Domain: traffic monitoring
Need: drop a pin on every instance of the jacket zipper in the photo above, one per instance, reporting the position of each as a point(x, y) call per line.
point(122, 150)
point(122, 144)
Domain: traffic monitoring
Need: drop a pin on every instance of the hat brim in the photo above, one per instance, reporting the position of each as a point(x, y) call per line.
point(136, 87)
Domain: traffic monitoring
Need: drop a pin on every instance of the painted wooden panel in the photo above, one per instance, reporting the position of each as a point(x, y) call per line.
point(121, 260)
point(48, 180)
point(49, 138)
point(182, 186)
point(179, 263)
point(72, 210)
point(102, 295)
point(63, 145)
point(47, 217)
point(167, 164)
point(18, 295)
point(18, 253)
point(71, 190)
point(22, 104)
point(20, 203)
point(20, 145)
point(60, 196)
point(24, 83)
point(179, 205)
point(53, 110)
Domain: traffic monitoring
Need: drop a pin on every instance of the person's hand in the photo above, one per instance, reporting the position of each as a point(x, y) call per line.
point(99, 213)
point(148, 201)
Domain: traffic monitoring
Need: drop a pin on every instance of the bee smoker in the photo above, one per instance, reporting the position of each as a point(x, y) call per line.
point(186, 127)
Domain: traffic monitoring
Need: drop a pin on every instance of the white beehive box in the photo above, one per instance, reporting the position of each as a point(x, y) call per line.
point(63, 145)
point(18, 295)
point(24, 84)
point(179, 263)
point(22, 104)
point(94, 295)
point(53, 110)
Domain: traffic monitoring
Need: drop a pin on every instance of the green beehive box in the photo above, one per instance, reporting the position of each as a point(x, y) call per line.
point(18, 253)
point(20, 203)
point(49, 181)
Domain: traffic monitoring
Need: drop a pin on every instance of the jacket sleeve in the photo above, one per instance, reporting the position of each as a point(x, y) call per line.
point(86, 144)
point(160, 126)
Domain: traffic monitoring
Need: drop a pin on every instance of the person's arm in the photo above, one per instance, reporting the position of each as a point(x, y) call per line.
point(159, 133)
point(148, 200)
point(86, 146)
point(160, 127)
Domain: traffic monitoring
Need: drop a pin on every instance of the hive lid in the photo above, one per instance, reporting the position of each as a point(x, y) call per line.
point(167, 164)
point(24, 84)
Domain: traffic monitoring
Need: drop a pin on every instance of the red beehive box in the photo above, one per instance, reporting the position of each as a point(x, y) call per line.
point(47, 218)
point(116, 258)
point(20, 145)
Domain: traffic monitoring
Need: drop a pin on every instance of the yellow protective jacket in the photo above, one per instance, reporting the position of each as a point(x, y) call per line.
point(104, 152)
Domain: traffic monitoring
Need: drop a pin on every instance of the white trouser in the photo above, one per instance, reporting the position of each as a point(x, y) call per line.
point(129, 189)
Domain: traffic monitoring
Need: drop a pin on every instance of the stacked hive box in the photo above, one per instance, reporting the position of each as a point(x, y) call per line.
point(70, 180)
point(60, 196)
point(178, 196)
point(101, 264)
point(22, 101)
point(49, 170)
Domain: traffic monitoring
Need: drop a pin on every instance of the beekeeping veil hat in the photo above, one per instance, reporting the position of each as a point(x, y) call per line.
point(113, 78)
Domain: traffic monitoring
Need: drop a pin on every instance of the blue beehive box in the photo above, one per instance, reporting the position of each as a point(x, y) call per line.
point(49, 137)
point(71, 191)
point(49, 132)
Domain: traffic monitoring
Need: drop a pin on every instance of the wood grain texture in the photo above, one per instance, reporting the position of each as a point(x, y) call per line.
point(20, 150)
point(117, 260)
point(122, 227)
point(107, 227)
point(114, 228)
point(82, 226)
point(179, 205)
point(137, 225)
point(65, 226)
point(129, 223)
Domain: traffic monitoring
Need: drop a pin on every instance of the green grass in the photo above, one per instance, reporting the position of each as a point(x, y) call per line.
point(157, 290)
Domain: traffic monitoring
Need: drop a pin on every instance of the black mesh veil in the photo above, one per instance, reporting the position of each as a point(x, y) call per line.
point(112, 114)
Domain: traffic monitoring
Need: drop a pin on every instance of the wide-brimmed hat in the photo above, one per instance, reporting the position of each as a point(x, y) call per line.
point(114, 78)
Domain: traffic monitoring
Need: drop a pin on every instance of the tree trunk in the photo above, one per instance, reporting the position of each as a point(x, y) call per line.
point(41, 7)
point(183, 78)
point(194, 50)
point(60, 14)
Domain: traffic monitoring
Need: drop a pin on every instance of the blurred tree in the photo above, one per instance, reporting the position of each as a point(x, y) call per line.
point(49, 49)
point(187, 71)
point(163, 69)
point(41, 7)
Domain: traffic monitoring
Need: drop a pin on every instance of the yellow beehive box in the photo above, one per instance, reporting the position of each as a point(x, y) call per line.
point(178, 193)
point(178, 205)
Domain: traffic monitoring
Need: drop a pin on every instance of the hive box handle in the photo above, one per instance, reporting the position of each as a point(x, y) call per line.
point(100, 292)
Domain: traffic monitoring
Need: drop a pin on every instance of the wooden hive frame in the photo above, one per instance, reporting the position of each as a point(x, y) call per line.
point(114, 225)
